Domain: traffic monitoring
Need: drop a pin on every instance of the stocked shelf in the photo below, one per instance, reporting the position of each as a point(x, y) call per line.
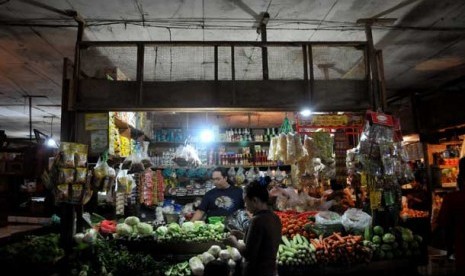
point(239, 144)
point(261, 167)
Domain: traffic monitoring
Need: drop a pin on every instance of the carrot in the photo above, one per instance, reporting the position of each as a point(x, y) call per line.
point(339, 237)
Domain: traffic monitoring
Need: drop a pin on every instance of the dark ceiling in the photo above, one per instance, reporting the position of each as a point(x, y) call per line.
point(423, 49)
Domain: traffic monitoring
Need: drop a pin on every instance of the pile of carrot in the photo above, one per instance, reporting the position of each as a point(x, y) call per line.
point(338, 249)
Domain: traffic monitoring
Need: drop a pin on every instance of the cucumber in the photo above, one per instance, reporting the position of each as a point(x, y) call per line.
point(304, 239)
point(286, 241)
point(298, 238)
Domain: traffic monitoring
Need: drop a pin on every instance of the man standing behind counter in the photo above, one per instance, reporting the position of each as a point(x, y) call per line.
point(223, 200)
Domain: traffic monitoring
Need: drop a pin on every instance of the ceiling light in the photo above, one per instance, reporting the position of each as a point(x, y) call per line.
point(206, 136)
point(306, 112)
point(51, 143)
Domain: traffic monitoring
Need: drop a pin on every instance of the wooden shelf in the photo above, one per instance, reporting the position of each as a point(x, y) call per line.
point(265, 167)
point(241, 143)
point(447, 166)
point(444, 189)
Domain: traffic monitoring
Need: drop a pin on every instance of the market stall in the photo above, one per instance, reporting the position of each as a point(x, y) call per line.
point(147, 218)
point(149, 170)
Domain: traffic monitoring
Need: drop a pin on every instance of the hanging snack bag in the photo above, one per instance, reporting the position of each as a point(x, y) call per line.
point(66, 176)
point(81, 175)
point(291, 151)
point(80, 156)
point(61, 193)
point(282, 147)
point(299, 150)
point(76, 193)
point(68, 158)
point(273, 148)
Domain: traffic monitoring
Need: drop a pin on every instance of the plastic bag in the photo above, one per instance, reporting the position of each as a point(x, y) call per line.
point(291, 151)
point(240, 176)
point(281, 151)
point(327, 218)
point(239, 220)
point(272, 155)
point(299, 150)
point(355, 220)
point(186, 155)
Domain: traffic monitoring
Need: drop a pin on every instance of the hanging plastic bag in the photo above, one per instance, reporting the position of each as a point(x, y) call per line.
point(299, 150)
point(136, 166)
point(186, 155)
point(145, 155)
point(273, 149)
point(232, 174)
point(282, 148)
point(240, 176)
point(291, 151)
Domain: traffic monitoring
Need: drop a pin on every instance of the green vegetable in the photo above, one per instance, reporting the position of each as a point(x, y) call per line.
point(376, 239)
point(188, 226)
point(174, 227)
point(144, 229)
point(214, 250)
point(132, 220)
point(206, 257)
point(162, 230)
point(378, 230)
point(123, 229)
point(389, 238)
point(196, 266)
point(368, 234)
point(286, 241)
point(234, 253)
point(386, 247)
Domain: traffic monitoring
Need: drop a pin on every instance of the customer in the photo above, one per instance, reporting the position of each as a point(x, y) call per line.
point(452, 219)
point(223, 200)
point(263, 235)
point(417, 198)
point(340, 197)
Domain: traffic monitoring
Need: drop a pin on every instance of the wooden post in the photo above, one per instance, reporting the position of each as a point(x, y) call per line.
point(373, 66)
point(263, 23)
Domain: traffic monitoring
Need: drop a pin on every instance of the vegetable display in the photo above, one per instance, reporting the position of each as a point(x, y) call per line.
point(188, 231)
point(398, 242)
point(133, 228)
point(196, 264)
point(341, 250)
point(297, 251)
point(294, 223)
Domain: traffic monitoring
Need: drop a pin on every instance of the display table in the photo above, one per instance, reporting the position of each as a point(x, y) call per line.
point(387, 267)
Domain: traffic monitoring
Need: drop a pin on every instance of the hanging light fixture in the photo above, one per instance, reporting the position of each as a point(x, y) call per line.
point(50, 142)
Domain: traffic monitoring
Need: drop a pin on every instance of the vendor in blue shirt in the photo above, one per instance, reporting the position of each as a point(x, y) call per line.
point(223, 200)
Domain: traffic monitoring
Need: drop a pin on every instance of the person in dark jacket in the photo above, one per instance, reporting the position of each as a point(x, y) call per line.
point(263, 235)
point(452, 218)
point(417, 198)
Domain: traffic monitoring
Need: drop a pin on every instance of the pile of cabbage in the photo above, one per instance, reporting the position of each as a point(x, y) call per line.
point(188, 231)
point(230, 255)
point(132, 227)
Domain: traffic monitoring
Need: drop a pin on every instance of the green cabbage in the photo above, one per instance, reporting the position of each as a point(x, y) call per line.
point(174, 227)
point(144, 229)
point(162, 230)
point(123, 229)
point(188, 226)
point(132, 220)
